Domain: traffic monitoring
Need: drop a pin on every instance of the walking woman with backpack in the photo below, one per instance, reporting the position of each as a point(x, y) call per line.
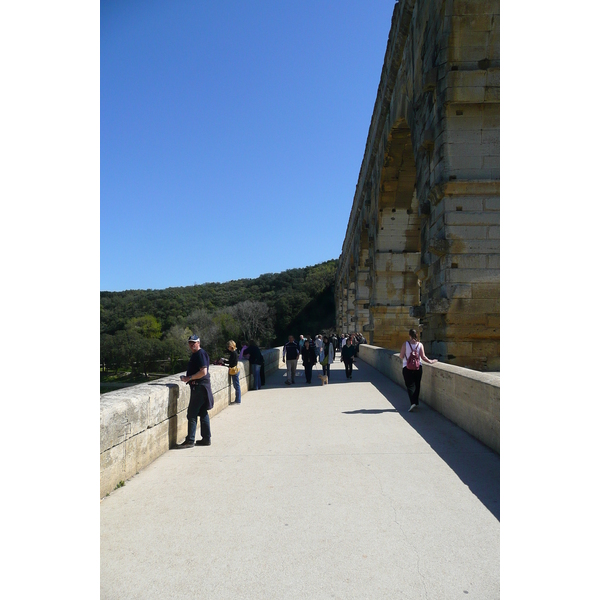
point(412, 353)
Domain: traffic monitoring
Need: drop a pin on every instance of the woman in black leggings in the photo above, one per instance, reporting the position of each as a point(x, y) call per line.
point(309, 359)
point(412, 353)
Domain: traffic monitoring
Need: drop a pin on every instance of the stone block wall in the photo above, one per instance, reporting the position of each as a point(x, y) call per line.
point(139, 423)
point(422, 244)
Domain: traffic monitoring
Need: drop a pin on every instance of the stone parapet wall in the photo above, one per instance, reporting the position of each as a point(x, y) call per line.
point(468, 398)
point(139, 423)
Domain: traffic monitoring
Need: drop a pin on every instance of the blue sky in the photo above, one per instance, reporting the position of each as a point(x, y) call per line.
point(232, 134)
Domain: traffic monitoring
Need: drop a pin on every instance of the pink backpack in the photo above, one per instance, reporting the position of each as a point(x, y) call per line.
point(413, 361)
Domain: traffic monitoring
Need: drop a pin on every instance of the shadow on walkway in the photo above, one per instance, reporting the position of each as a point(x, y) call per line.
point(369, 411)
point(475, 464)
point(172, 410)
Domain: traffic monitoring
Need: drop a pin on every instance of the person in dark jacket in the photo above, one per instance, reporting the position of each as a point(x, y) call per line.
point(291, 352)
point(256, 360)
point(201, 396)
point(309, 359)
point(348, 353)
point(356, 343)
point(262, 375)
point(232, 363)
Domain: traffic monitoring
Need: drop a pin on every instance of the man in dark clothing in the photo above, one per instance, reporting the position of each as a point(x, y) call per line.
point(348, 354)
point(263, 377)
point(290, 357)
point(309, 359)
point(201, 397)
point(256, 360)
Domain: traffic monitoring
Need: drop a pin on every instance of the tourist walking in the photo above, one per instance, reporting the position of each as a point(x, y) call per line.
point(291, 352)
point(256, 360)
point(326, 356)
point(318, 346)
point(309, 359)
point(356, 343)
point(234, 370)
point(201, 396)
point(348, 353)
point(412, 353)
point(334, 341)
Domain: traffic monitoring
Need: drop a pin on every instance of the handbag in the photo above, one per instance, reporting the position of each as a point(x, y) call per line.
point(234, 370)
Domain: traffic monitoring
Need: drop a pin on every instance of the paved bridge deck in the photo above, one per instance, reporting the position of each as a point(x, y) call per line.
point(311, 492)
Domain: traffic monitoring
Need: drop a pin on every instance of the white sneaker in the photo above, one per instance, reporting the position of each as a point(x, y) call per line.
point(412, 406)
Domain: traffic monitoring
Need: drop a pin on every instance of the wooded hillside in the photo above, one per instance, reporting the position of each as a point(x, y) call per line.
point(141, 326)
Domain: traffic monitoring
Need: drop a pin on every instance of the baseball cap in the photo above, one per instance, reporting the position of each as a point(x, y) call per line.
point(193, 339)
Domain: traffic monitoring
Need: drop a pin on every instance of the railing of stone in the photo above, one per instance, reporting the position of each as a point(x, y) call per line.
point(139, 423)
point(469, 398)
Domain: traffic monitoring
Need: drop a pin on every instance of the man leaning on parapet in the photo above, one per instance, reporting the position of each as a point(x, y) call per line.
point(290, 358)
point(201, 396)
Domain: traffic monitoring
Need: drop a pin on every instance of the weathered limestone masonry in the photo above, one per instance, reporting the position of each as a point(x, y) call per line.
point(139, 423)
point(422, 247)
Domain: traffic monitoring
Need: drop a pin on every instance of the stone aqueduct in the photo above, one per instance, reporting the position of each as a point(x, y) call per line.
point(422, 246)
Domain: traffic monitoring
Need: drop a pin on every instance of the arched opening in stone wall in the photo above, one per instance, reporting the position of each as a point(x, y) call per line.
point(397, 243)
point(428, 189)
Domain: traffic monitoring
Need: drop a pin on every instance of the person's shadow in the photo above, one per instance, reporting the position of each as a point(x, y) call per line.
point(171, 411)
point(474, 463)
point(369, 411)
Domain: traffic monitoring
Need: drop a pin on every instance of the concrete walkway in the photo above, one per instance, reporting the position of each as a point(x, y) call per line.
point(311, 492)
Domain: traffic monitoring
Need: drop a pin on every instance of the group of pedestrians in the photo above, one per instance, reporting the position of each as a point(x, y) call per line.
point(311, 350)
point(352, 338)
point(321, 349)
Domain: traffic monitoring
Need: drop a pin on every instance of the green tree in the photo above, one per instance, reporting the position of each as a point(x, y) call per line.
point(266, 308)
point(147, 326)
point(175, 346)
